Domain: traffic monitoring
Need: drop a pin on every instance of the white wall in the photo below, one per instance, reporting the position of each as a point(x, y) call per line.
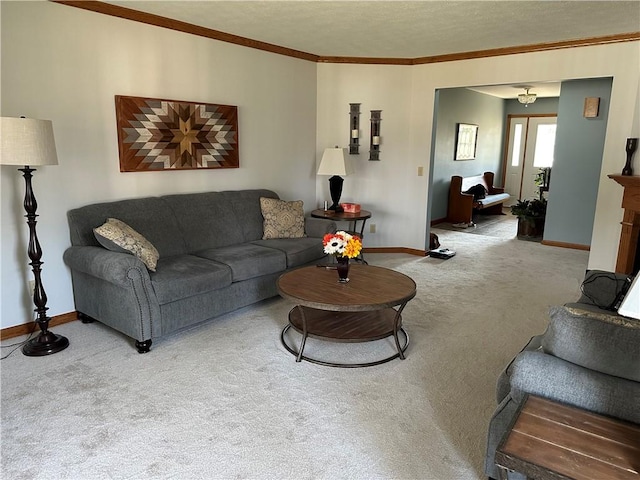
point(386, 187)
point(393, 191)
point(65, 64)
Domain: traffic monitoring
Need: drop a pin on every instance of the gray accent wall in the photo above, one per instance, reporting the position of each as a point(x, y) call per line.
point(460, 105)
point(575, 176)
point(541, 105)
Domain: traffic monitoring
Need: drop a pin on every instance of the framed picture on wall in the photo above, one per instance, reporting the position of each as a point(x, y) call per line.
point(466, 141)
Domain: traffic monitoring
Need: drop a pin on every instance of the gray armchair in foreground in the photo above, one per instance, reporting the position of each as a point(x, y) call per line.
point(588, 357)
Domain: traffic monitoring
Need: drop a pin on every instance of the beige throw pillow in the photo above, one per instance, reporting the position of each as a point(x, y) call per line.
point(117, 236)
point(282, 219)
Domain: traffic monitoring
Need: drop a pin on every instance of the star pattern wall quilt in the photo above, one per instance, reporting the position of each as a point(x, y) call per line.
point(156, 134)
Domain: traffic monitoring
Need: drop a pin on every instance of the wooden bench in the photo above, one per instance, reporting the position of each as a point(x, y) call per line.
point(549, 440)
point(461, 205)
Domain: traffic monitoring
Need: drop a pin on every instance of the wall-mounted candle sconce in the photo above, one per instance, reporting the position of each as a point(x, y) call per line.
point(354, 128)
point(374, 152)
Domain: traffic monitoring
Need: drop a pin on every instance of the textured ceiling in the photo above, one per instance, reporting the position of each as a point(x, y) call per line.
point(401, 29)
point(542, 90)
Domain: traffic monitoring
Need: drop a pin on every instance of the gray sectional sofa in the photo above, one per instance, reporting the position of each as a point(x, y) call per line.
point(588, 357)
point(212, 260)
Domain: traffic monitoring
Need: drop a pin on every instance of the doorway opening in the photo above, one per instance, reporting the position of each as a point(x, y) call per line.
point(578, 152)
point(491, 108)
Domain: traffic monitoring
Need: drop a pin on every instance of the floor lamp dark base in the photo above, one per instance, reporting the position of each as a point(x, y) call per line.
point(46, 343)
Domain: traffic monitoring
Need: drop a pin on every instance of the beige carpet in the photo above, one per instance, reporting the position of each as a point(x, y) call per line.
point(499, 226)
point(225, 400)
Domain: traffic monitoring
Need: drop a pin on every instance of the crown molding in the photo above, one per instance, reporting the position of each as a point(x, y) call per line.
point(536, 47)
point(367, 60)
point(177, 25)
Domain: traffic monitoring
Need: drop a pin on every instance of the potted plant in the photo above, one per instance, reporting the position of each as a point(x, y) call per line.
point(541, 180)
point(531, 216)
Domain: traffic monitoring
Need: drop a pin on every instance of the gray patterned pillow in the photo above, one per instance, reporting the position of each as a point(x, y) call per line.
point(282, 219)
point(117, 236)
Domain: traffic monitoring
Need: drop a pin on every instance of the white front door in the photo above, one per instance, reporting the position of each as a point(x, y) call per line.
point(530, 148)
point(515, 158)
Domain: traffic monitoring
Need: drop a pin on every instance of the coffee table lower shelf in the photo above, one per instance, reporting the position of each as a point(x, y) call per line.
point(346, 327)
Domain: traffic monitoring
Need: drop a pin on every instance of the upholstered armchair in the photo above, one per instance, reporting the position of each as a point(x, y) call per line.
point(588, 357)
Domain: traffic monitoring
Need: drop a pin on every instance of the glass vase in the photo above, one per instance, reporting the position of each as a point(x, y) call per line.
point(343, 269)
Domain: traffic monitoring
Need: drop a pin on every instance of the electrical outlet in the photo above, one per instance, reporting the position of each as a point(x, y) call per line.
point(372, 228)
point(32, 287)
point(420, 171)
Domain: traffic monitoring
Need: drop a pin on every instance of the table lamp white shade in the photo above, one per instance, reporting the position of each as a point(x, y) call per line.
point(27, 141)
point(334, 163)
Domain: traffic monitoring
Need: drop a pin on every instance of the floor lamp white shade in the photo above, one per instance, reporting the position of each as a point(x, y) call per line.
point(30, 143)
point(27, 141)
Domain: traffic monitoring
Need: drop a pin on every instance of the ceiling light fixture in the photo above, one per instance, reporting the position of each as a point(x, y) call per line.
point(527, 97)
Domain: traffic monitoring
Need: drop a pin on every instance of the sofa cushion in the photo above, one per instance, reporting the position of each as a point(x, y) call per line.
point(494, 199)
point(298, 251)
point(183, 276)
point(597, 343)
point(206, 220)
point(247, 260)
point(246, 208)
point(282, 219)
point(117, 236)
point(149, 216)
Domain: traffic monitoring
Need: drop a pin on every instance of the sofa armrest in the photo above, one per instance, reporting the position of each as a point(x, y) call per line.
point(503, 384)
point(491, 189)
point(318, 227)
point(547, 376)
point(113, 267)
point(114, 288)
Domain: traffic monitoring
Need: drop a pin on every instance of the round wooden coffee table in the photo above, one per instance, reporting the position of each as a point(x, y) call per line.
point(359, 311)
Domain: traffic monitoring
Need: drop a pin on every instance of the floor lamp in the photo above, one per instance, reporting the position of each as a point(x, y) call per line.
point(30, 142)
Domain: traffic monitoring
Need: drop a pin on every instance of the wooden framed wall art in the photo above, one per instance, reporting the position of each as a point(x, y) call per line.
point(156, 134)
point(466, 141)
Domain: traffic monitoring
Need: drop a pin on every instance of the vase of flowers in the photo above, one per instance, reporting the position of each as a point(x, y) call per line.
point(343, 246)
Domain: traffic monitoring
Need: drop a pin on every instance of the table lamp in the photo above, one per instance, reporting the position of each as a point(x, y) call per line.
point(29, 142)
point(334, 163)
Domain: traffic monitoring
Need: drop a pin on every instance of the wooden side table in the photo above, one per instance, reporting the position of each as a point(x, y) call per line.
point(352, 218)
point(549, 440)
